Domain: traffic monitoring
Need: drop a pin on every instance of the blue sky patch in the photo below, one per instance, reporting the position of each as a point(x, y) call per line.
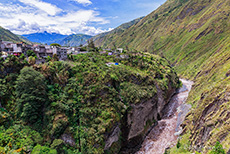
point(71, 16)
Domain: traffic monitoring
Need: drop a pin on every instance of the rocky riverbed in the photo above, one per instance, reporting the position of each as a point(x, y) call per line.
point(165, 134)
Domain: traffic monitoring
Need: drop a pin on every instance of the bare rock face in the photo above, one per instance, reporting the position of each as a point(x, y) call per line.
point(68, 139)
point(139, 120)
point(113, 137)
point(209, 121)
point(143, 115)
point(139, 116)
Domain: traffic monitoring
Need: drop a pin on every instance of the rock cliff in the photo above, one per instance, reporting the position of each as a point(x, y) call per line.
point(139, 120)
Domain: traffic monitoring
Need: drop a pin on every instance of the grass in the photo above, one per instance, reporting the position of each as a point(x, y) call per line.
point(197, 43)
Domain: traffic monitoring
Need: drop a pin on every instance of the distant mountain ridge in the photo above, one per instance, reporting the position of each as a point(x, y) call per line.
point(45, 37)
point(64, 40)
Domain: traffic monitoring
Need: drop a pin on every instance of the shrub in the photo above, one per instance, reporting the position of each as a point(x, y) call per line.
point(30, 53)
point(43, 150)
point(218, 149)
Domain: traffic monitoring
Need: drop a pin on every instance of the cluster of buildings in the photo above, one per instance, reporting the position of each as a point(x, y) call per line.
point(41, 51)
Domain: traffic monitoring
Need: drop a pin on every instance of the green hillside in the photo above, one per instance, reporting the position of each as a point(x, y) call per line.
point(78, 106)
point(24, 39)
point(111, 35)
point(6, 35)
point(75, 40)
point(194, 35)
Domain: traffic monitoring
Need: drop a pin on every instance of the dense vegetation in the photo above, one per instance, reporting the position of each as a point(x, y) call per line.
point(194, 36)
point(69, 107)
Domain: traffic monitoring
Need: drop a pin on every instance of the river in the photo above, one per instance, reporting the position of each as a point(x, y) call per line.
point(165, 134)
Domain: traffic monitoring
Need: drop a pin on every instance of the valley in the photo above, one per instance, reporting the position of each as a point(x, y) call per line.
point(164, 136)
point(119, 91)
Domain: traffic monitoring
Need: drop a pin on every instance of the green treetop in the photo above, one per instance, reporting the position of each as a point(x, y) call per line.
point(31, 94)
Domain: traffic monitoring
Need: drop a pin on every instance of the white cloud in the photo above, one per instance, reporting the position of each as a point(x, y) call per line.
point(32, 18)
point(85, 2)
point(47, 7)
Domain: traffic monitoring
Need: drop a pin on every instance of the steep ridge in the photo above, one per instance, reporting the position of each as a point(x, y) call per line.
point(107, 37)
point(75, 40)
point(194, 36)
point(7, 35)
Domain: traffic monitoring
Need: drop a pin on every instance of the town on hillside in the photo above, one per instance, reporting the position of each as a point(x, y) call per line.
point(42, 51)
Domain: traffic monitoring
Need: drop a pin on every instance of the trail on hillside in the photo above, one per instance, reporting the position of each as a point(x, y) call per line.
point(165, 134)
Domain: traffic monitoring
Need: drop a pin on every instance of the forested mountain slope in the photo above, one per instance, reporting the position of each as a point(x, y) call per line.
point(194, 35)
point(7, 35)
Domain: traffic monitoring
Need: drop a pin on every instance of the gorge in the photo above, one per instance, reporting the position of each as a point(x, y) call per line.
point(107, 101)
point(165, 134)
point(194, 36)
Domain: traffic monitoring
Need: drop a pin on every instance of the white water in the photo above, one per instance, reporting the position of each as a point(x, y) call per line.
point(165, 134)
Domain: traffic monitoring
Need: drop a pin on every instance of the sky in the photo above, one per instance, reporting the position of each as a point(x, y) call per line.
point(71, 16)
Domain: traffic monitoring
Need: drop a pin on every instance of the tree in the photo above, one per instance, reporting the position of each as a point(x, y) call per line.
point(55, 44)
point(30, 53)
point(3, 91)
point(218, 149)
point(127, 48)
point(31, 94)
point(48, 58)
point(22, 57)
point(114, 46)
point(156, 16)
point(55, 57)
point(38, 149)
point(91, 44)
point(32, 60)
point(83, 49)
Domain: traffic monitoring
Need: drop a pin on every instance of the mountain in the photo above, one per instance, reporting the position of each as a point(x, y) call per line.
point(45, 37)
point(24, 39)
point(194, 35)
point(75, 40)
point(103, 38)
point(7, 35)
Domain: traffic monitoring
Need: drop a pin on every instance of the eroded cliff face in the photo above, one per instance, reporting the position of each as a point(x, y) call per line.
point(144, 114)
point(209, 121)
point(138, 121)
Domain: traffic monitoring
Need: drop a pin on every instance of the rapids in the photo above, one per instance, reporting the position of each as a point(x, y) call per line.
point(168, 129)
